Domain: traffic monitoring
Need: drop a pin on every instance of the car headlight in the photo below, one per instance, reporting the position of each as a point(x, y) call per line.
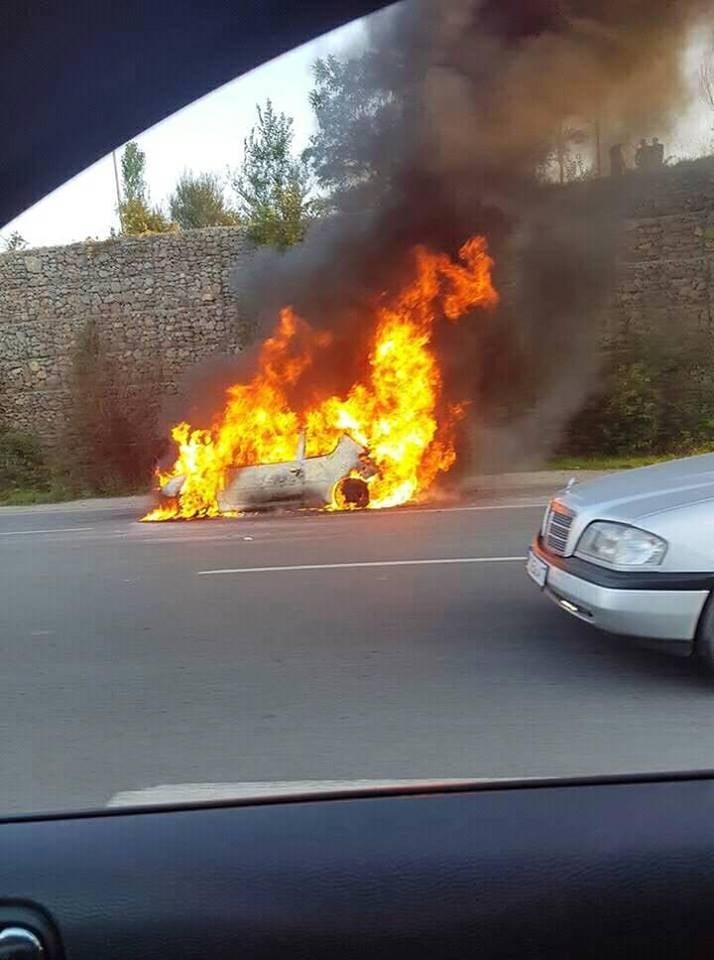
point(620, 545)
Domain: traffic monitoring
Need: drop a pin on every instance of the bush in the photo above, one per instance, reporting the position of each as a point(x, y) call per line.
point(22, 462)
point(632, 411)
point(198, 201)
point(138, 219)
point(621, 418)
point(661, 403)
point(111, 443)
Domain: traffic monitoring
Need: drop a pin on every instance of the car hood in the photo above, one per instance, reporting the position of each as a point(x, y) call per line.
point(634, 494)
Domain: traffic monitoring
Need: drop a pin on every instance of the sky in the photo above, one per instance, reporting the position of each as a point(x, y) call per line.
point(206, 135)
point(209, 134)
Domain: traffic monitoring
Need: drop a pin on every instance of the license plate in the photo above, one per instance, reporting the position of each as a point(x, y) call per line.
point(537, 570)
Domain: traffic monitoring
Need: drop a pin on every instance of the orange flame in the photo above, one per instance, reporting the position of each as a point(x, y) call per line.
point(394, 411)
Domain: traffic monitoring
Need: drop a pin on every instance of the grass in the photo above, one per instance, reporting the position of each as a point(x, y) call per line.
point(58, 492)
point(613, 462)
point(24, 496)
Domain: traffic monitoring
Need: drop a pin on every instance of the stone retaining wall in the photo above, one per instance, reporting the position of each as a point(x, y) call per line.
point(159, 298)
point(166, 298)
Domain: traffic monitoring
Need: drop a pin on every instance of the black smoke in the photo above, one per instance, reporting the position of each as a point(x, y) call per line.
point(479, 92)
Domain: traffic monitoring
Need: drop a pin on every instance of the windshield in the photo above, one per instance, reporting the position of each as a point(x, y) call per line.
point(355, 421)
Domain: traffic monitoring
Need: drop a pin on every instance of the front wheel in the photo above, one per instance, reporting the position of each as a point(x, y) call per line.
point(352, 492)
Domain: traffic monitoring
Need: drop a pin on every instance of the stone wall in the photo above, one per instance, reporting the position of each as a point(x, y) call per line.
point(655, 392)
point(159, 302)
point(165, 299)
point(664, 276)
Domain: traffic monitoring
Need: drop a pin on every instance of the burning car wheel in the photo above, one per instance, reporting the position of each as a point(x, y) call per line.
point(354, 492)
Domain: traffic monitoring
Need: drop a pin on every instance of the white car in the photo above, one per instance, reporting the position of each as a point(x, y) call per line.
point(302, 482)
point(633, 553)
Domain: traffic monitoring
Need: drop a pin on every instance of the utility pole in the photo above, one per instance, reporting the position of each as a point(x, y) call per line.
point(116, 184)
point(598, 159)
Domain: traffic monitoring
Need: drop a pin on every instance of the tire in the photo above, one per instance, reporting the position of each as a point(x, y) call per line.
point(355, 492)
point(704, 639)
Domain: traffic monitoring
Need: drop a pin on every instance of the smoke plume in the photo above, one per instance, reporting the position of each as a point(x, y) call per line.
point(478, 93)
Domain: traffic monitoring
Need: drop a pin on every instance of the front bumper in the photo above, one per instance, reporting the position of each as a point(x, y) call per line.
point(657, 606)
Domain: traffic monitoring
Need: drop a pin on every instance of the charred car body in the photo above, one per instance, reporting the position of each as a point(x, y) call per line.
point(337, 477)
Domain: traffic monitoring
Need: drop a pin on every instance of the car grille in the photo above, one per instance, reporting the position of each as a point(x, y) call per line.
point(557, 528)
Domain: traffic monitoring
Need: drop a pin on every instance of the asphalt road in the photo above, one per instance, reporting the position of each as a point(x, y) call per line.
point(129, 660)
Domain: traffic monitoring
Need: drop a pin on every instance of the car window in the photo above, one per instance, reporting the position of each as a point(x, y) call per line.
point(355, 420)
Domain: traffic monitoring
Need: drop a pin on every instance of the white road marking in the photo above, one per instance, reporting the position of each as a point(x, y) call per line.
point(360, 563)
point(235, 538)
point(18, 533)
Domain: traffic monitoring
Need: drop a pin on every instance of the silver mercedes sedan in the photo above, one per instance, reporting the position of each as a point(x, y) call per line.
point(633, 553)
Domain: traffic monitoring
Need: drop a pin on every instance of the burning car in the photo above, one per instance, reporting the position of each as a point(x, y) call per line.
point(338, 477)
point(393, 424)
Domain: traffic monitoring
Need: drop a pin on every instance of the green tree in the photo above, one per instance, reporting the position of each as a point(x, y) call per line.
point(272, 185)
point(15, 241)
point(356, 107)
point(136, 213)
point(133, 173)
point(198, 201)
point(564, 155)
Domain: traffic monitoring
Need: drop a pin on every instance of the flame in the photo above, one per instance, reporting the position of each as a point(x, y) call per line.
point(396, 410)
